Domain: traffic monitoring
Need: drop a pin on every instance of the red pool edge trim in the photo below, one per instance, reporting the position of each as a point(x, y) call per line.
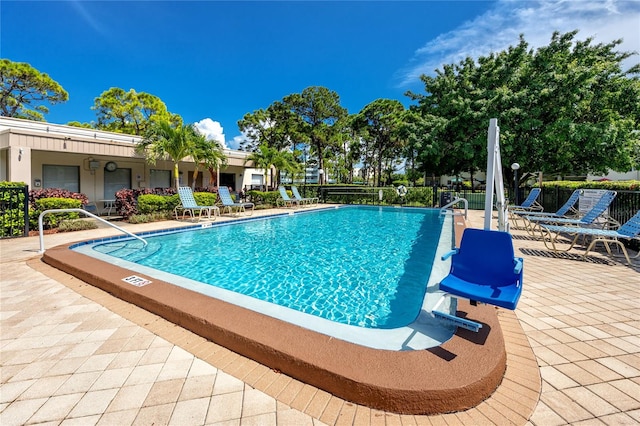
point(455, 376)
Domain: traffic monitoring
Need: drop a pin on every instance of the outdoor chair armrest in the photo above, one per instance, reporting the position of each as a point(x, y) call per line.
point(449, 254)
point(518, 265)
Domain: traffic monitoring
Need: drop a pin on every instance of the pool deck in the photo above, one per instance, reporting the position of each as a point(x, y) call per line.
point(73, 354)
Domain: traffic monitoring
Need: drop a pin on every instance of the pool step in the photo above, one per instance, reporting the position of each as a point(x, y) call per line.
point(457, 321)
point(129, 250)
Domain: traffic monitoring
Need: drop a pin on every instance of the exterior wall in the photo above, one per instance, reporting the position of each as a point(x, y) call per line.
point(26, 146)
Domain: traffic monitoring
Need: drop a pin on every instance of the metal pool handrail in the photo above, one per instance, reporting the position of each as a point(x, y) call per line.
point(454, 202)
point(40, 227)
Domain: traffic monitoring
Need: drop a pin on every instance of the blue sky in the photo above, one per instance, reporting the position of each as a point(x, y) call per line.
point(212, 61)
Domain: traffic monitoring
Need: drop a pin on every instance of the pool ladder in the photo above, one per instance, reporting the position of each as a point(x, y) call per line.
point(445, 209)
point(40, 227)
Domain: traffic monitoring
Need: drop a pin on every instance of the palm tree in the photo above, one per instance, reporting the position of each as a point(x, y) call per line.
point(163, 141)
point(208, 154)
point(263, 158)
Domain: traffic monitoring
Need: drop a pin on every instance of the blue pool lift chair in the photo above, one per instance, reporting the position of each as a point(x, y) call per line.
point(483, 269)
point(630, 230)
point(189, 205)
point(231, 206)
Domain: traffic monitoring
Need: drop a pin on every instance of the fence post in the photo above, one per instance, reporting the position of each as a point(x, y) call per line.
point(25, 212)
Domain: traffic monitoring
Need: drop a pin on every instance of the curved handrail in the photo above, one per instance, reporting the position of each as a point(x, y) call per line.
point(454, 202)
point(40, 227)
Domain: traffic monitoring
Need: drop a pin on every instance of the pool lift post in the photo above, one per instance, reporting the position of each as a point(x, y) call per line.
point(495, 183)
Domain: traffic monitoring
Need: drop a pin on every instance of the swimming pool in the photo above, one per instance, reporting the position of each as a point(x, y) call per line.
point(333, 270)
point(386, 369)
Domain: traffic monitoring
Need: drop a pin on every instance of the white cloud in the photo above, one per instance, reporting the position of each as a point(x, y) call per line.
point(500, 27)
point(212, 130)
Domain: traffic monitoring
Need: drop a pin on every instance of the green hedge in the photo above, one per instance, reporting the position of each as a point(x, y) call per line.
point(152, 203)
point(12, 221)
point(621, 185)
point(261, 197)
point(52, 220)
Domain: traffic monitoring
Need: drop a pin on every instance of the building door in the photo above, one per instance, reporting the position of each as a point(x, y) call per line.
point(115, 181)
point(229, 180)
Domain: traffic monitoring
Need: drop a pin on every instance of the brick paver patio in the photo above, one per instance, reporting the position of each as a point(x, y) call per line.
point(72, 354)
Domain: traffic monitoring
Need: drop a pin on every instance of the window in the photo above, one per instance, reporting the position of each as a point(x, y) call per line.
point(160, 178)
point(63, 177)
point(115, 181)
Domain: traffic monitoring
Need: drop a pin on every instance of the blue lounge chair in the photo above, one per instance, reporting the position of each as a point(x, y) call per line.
point(599, 209)
point(285, 200)
point(228, 205)
point(564, 211)
point(189, 205)
point(628, 231)
point(302, 200)
point(483, 269)
point(531, 203)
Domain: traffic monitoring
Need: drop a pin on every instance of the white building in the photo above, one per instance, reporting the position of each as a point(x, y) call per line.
point(99, 163)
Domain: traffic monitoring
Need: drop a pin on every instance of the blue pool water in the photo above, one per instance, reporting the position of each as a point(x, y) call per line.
point(362, 266)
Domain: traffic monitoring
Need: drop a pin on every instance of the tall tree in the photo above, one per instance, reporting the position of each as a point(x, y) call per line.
point(25, 91)
point(276, 126)
point(565, 108)
point(318, 109)
point(163, 141)
point(380, 124)
point(131, 112)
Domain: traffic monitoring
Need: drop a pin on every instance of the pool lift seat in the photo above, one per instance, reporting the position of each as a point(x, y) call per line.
point(483, 269)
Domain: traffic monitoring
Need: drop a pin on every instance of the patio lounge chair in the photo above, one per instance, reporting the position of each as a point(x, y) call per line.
point(531, 203)
point(189, 205)
point(483, 269)
point(309, 201)
point(599, 209)
point(566, 209)
point(284, 198)
point(231, 206)
point(628, 231)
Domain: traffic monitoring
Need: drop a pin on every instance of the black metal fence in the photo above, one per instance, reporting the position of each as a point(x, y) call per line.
point(14, 211)
point(624, 206)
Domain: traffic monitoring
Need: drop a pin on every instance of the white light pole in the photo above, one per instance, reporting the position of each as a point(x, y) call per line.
point(515, 167)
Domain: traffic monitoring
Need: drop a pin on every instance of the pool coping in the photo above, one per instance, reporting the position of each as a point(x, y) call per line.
point(422, 333)
point(455, 376)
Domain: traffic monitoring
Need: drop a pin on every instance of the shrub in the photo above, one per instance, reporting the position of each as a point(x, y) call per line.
point(262, 197)
point(150, 217)
point(36, 194)
point(76, 225)
point(205, 198)
point(127, 199)
point(149, 203)
point(52, 220)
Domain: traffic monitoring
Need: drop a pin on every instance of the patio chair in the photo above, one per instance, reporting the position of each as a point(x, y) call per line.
point(302, 200)
point(599, 209)
point(628, 231)
point(483, 269)
point(566, 210)
point(189, 205)
point(231, 206)
point(284, 200)
point(531, 203)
